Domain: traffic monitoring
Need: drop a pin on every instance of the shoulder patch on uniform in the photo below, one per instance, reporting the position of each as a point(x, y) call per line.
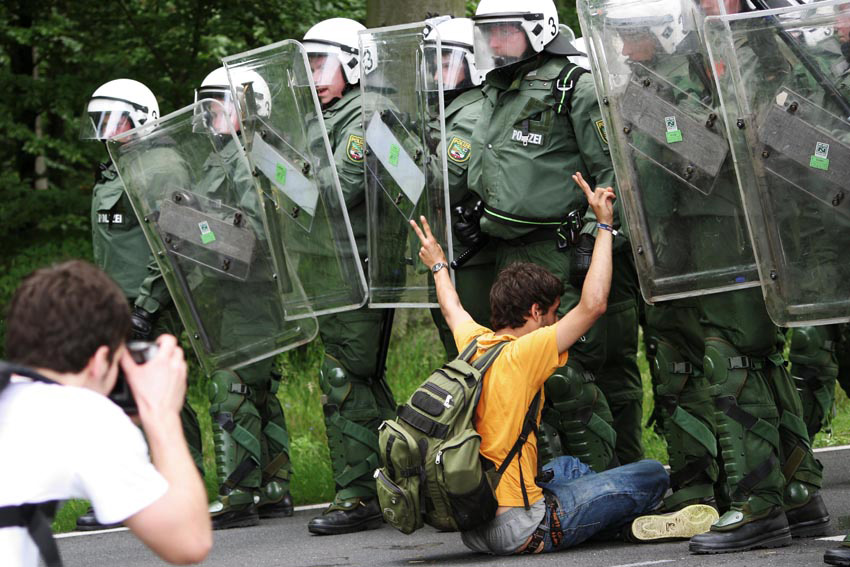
point(600, 129)
point(355, 148)
point(459, 150)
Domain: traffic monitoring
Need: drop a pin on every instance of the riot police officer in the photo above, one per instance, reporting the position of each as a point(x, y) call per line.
point(356, 396)
point(250, 436)
point(539, 123)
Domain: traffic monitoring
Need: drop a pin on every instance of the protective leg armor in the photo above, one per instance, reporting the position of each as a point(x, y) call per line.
point(814, 368)
point(192, 431)
point(747, 430)
point(277, 466)
point(236, 425)
point(620, 381)
point(577, 409)
point(803, 473)
point(354, 408)
point(686, 413)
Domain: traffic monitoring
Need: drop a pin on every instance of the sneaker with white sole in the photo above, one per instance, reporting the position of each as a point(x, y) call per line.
point(681, 524)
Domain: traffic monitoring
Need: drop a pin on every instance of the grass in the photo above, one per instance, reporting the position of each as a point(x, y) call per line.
point(415, 351)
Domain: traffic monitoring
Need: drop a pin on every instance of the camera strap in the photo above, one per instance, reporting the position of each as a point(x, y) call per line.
point(7, 369)
point(36, 519)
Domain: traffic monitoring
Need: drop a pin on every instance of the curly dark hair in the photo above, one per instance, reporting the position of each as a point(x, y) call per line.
point(516, 289)
point(60, 315)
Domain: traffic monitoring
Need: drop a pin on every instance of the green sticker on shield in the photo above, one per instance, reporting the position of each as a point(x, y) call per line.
point(207, 234)
point(819, 163)
point(674, 136)
point(821, 158)
point(673, 133)
point(394, 153)
point(280, 174)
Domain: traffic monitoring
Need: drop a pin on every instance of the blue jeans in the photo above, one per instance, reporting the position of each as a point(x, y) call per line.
point(590, 503)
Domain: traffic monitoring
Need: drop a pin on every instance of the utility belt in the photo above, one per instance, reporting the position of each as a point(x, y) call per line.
point(563, 230)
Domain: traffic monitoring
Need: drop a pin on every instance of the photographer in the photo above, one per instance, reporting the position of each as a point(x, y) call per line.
point(62, 438)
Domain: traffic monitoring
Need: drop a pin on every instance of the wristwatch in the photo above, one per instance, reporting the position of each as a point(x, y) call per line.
point(438, 266)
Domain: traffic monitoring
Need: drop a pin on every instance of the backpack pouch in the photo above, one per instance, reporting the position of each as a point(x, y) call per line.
point(461, 476)
point(398, 480)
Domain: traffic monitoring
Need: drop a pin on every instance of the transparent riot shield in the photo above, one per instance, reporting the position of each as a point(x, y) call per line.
point(406, 174)
point(675, 172)
point(189, 181)
point(785, 90)
point(287, 144)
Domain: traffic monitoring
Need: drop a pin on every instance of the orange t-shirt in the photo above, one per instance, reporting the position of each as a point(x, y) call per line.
point(508, 389)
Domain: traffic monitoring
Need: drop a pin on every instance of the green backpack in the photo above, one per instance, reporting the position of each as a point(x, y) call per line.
point(431, 471)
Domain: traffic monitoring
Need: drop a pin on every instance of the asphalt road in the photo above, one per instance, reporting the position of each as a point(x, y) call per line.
point(287, 543)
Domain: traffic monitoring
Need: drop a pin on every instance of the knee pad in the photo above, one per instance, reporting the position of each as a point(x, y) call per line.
point(583, 417)
point(226, 392)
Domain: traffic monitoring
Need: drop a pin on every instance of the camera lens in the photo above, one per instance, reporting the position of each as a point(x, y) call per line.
point(142, 351)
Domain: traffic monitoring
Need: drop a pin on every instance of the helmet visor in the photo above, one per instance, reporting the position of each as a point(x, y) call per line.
point(104, 118)
point(217, 118)
point(452, 66)
point(499, 43)
point(326, 68)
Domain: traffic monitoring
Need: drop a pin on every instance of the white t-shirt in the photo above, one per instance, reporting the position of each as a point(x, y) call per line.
point(62, 442)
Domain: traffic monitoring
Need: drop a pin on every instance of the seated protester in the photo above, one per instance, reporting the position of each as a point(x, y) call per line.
point(61, 437)
point(573, 503)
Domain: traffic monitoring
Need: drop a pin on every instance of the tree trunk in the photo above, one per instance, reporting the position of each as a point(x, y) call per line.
point(381, 13)
point(40, 168)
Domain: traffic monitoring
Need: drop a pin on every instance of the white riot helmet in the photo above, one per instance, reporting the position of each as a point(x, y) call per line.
point(118, 106)
point(665, 22)
point(245, 81)
point(251, 89)
point(457, 61)
point(332, 44)
point(507, 31)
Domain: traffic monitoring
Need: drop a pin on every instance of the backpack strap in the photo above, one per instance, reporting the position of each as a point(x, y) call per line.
point(564, 87)
point(487, 359)
point(529, 424)
point(36, 519)
point(469, 350)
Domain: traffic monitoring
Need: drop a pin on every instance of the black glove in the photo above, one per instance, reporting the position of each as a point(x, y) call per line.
point(141, 324)
point(580, 259)
point(467, 227)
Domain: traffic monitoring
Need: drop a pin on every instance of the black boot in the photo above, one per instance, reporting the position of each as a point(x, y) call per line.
point(347, 517)
point(235, 510)
point(88, 522)
point(838, 555)
point(809, 520)
point(281, 509)
point(735, 532)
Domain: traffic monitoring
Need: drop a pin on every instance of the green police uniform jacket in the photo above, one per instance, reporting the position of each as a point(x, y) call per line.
point(523, 152)
point(461, 116)
point(345, 134)
point(119, 244)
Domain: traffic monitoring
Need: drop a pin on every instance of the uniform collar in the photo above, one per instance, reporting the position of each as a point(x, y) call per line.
point(511, 76)
point(350, 97)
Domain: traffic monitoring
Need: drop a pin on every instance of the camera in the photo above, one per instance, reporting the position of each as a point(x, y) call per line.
point(121, 395)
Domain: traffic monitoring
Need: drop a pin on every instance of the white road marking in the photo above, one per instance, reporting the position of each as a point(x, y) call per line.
point(830, 449)
point(93, 532)
point(660, 561)
point(123, 529)
point(832, 538)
